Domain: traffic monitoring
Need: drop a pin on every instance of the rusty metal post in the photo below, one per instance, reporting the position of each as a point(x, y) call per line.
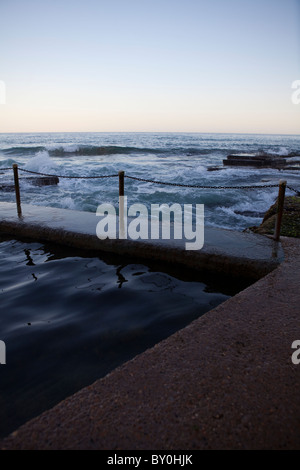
point(121, 183)
point(280, 205)
point(122, 217)
point(17, 189)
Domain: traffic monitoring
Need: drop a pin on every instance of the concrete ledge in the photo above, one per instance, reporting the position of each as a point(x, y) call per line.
point(225, 252)
point(224, 382)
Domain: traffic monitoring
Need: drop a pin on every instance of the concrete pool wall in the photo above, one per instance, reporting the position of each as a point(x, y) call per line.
point(225, 252)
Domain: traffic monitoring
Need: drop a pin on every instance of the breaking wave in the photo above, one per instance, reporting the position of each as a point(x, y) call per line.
point(92, 150)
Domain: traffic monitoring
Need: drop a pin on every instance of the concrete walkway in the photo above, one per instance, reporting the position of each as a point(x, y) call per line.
point(224, 382)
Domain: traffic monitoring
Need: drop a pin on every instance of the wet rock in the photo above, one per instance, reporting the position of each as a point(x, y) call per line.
point(290, 220)
point(43, 180)
point(258, 161)
point(264, 160)
point(214, 168)
point(36, 181)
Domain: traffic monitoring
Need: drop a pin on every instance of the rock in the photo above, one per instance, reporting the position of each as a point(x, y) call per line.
point(36, 181)
point(290, 220)
point(214, 168)
point(264, 160)
point(260, 160)
point(43, 180)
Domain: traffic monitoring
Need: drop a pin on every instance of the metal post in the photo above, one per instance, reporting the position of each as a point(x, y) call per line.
point(280, 204)
point(121, 183)
point(121, 206)
point(17, 189)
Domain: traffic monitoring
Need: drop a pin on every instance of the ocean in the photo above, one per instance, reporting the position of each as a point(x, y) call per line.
point(69, 318)
point(169, 157)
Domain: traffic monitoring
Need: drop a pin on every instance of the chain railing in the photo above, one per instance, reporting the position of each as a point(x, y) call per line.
point(293, 189)
point(121, 175)
point(197, 186)
point(144, 180)
point(65, 176)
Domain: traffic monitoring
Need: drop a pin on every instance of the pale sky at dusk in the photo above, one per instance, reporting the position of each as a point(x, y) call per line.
point(159, 65)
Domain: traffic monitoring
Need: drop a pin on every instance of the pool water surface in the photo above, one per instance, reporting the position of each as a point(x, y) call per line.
point(68, 318)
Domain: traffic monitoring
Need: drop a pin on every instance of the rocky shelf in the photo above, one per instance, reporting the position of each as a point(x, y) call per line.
point(264, 160)
point(36, 181)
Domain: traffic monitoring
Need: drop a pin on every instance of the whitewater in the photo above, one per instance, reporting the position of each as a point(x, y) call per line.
point(185, 158)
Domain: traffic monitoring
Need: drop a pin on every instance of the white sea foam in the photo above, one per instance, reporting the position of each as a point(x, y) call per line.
point(198, 169)
point(68, 203)
point(68, 148)
point(281, 151)
point(41, 163)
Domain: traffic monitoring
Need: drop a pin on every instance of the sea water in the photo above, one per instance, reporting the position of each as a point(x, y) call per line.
point(169, 157)
point(67, 317)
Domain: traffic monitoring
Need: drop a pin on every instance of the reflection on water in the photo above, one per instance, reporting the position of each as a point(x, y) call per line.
point(69, 319)
point(121, 278)
point(30, 261)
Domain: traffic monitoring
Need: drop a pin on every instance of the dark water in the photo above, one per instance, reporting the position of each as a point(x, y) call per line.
point(69, 319)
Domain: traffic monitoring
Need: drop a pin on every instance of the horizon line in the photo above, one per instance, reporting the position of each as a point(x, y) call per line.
point(150, 132)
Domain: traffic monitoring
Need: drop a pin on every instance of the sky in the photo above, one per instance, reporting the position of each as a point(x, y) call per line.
point(149, 66)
